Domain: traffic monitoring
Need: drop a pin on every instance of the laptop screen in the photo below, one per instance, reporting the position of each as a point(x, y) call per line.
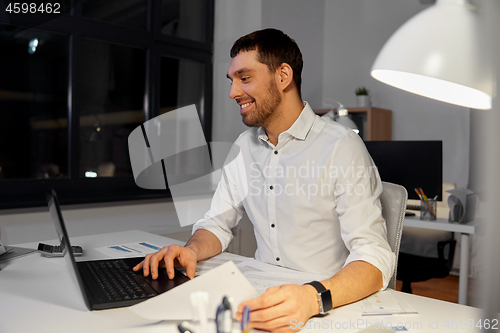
point(55, 212)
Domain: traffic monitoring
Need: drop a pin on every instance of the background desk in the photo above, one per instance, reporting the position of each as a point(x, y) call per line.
point(39, 295)
point(465, 230)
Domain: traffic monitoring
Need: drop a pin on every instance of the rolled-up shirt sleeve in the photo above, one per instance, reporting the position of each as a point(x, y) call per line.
point(226, 208)
point(357, 194)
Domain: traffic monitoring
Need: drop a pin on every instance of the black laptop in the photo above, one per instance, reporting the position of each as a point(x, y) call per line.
point(107, 284)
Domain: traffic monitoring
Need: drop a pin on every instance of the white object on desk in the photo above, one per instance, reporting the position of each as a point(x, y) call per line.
point(225, 280)
point(465, 230)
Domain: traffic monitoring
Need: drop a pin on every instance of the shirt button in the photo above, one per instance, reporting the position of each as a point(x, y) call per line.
point(277, 258)
point(275, 152)
point(272, 225)
point(271, 187)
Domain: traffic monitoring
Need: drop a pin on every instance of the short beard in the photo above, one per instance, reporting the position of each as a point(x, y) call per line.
point(266, 111)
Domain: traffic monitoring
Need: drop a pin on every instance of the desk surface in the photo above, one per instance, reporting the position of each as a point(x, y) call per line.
point(440, 224)
point(39, 295)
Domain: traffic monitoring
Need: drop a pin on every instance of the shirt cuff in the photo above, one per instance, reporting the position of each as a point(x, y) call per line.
point(224, 237)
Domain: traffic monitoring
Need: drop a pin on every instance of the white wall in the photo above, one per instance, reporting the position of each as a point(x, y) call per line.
point(303, 21)
point(233, 19)
point(355, 31)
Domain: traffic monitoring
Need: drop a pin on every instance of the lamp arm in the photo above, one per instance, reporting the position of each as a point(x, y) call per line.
point(326, 100)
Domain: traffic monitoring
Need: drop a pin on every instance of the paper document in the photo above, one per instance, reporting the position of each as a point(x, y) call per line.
point(129, 250)
point(384, 303)
point(262, 275)
point(210, 263)
point(225, 280)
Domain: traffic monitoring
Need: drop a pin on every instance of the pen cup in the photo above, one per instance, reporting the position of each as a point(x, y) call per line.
point(428, 209)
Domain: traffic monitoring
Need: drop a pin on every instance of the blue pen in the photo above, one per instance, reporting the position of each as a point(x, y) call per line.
point(245, 320)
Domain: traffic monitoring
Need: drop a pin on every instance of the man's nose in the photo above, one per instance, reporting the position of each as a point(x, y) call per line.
point(235, 91)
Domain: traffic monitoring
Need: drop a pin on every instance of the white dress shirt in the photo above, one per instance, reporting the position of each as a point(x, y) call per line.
point(313, 199)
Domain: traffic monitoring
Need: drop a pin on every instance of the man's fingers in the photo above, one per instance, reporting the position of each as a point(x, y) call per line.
point(168, 257)
point(154, 262)
point(269, 298)
point(151, 262)
point(172, 253)
point(191, 270)
point(145, 265)
point(273, 324)
point(138, 266)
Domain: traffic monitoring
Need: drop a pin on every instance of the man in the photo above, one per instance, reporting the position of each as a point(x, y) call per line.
point(307, 184)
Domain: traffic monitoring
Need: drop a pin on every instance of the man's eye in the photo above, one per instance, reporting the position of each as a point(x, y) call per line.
point(244, 79)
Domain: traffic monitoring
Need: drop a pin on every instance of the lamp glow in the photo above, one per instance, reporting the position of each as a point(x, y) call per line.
point(438, 89)
point(437, 54)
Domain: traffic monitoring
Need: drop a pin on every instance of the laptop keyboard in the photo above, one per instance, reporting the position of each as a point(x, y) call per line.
point(117, 281)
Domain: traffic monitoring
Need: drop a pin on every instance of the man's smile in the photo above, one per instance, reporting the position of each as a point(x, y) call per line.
point(245, 106)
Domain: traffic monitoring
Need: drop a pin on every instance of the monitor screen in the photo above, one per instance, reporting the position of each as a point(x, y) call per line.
point(411, 164)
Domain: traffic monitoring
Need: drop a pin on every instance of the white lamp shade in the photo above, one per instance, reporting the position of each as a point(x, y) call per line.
point(437, 54)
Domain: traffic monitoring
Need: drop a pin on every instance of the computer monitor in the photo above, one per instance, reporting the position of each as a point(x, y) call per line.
point(412, 164)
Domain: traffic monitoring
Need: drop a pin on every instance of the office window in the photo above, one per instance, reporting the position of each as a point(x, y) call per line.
point(184, 19)
point(127, 13)
point(112, 88)
point(33, 103)
point(73, 87)
point(181, 83)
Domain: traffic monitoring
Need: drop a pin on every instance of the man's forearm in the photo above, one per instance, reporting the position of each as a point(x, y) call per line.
point(355, 281)
point(204, 243)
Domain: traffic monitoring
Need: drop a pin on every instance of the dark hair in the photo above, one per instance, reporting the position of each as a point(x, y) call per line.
point(273, 48)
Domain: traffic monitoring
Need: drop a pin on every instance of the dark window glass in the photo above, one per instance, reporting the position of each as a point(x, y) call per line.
point(112, 96)
point(181, 84)
point(128, 13)
point(33, 103)
point(73, 89)
point(184, 19)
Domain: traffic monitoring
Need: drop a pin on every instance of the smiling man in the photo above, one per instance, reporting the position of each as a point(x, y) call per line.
point(308, 186)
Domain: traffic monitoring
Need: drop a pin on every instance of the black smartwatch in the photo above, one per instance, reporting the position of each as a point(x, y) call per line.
point(324, 297)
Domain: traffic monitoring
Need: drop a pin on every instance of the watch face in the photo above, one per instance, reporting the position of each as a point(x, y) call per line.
point(326, 300)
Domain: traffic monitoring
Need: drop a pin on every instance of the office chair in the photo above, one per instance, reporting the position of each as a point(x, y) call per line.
point(393, 200)
point(413, 268)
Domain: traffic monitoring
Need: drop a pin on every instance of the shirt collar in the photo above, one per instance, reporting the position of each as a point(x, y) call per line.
point(299, 129)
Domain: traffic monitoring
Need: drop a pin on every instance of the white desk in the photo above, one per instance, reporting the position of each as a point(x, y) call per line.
point(39, 295)
point(465, 230)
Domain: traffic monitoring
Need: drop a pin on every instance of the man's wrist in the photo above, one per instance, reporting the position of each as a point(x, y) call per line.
point(193, 250)
point(323, 297)
point(313, 299)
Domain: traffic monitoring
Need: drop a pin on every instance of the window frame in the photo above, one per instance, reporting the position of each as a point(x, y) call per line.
point(20, 193)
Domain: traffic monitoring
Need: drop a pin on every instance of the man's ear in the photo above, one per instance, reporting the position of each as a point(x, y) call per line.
point(285, 77)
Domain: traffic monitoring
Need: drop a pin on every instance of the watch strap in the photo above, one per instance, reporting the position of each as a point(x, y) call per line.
point(326, 296)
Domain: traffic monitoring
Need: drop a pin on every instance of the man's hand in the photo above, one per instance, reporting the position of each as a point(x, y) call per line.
point(169, 257)
point(282, 308)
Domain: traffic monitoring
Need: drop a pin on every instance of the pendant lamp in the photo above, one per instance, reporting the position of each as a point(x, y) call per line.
point(438, 54)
